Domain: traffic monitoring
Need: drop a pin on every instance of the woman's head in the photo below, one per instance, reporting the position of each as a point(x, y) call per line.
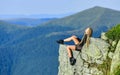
point(88, 32)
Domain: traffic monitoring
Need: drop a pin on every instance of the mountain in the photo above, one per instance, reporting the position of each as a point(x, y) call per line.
point(28, 21)
point(9, 16)
point(33, 50)
point(9, 31)
point(98, 18)
point(29, 47)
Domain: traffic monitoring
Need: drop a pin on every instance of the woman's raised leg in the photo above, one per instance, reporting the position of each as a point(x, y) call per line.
point(72, 38)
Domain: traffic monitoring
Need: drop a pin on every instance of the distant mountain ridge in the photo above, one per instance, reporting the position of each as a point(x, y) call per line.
point(9, 16)
point(33, 51)
point(28, 21)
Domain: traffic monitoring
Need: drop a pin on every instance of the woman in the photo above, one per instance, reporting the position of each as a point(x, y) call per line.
point(78, 44)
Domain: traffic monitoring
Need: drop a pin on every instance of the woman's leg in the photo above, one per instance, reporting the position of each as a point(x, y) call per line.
point(69, 50)
point(70, 54)
point(72, 38)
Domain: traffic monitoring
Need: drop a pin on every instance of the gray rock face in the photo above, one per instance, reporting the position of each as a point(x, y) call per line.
point(96, 53)
point(116, 60)
point(103, 36)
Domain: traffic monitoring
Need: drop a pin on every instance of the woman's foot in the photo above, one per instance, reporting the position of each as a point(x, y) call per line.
point(60, 41)
point(72, 61)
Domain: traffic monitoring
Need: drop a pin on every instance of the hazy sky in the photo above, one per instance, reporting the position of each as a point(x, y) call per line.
point(28, 7)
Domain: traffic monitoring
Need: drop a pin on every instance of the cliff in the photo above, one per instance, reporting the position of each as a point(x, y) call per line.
point(93, 60)
point(115, 65)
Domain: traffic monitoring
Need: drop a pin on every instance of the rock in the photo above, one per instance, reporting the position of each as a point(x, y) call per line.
point(95, 71)
point(103, 36)
point(65, 68)
point(114, 43)
point(116, 60)
point(95, 53)
point(111, 55)
point(110, 41)
point(99, 61)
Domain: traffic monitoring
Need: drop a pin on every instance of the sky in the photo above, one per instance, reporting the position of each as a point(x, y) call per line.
point(29, 7)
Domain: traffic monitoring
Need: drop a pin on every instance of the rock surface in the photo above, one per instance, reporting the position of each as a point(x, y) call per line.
point(116, 60)
point(103, 36)
point(87, 59)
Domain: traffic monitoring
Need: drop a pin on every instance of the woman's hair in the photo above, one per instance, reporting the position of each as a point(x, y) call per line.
point(86, 37)
point(88, 31)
